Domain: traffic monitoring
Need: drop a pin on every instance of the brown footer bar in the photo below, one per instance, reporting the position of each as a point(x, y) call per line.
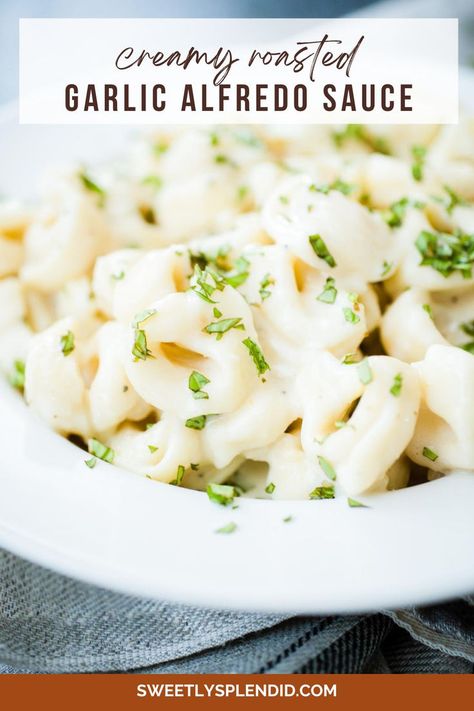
point(129, 691)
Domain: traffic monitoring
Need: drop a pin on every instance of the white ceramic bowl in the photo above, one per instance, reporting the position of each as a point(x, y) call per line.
point(118, 530)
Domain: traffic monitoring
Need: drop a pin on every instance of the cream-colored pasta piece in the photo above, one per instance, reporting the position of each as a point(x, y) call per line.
point(293, 474)
point(84, 391)
point(290, 319)
point(265, 415)
point(54, 383)
point(131, 214)
point(379, 429)
point(179, 344)
point(64, 239)
point(108, 271)
point(408, 328)
point(159, 451)
point(112, 399)
point(15, 335)
point(358, 241)
point(451, 157)
point(154, 275)
point(14, 219)
point(386, 180)
point(246, 231)
point(444, 434)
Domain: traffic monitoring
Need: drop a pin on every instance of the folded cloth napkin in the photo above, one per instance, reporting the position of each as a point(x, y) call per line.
point(52, 624)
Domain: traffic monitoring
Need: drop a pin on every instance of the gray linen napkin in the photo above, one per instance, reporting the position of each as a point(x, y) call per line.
point(52, 624)
point(49, 623)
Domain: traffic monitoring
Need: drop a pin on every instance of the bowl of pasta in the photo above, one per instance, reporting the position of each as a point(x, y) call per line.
point(237, 362)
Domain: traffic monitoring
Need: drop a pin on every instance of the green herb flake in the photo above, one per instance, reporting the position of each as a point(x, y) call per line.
point(194, 467)
point(93, 187)
point(264, 291)
point(288, 519)
point(417, 169)
point(320, 249)
point(242, 192)
point(153, 181)
point(350, 359)
point(270, 488)
point(386, 268)
point(284, 199)
point(222, 494)
point(101, 451)
point(350, 316)
point(364, 372)
point(469, 347)
point(467, 327)
point(429, 454)
point(357, 132)
point(179, 475)
point(327, 468)
point(228, 528)
point(142, 317)
point(67, 343)
point(90, 462)
point(152, 448)
point(354, 504)
point(195, 383)
point(223, 326)
point(395, 214)
point(453, 200)
point(17, 376)
point(118, 276)
point(196, 423)
point(240, 273)
point(140, 349)
point(428, 309)
point(257, 356)
point(447, 253)
point(216, 312)
point(323, 492)
point(329, 293)
point(396, 388)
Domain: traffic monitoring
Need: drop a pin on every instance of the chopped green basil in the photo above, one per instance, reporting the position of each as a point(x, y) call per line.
point(140, 349)
point(257, 356)
point(142, 316)
point(323, 492)
point(320, 249)
point(93, 187)
point(17, 376)
point(429, 454)
point(447, 253)
point(90, 462)
point(417, 168)
point(364, 372)
point(221, 327)
point(195, 383)
point(329, 293)
point(327, 468)
point(267, 281)
point(396, 388)
point(179, 475)
point(222, 494)
point(67, 343)
point(350, 316)
point(228, 528)
point(196, 423)
point(101, 451)
point(354, 504)
point(270, 488)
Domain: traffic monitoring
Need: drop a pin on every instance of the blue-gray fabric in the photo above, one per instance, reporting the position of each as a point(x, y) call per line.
point(49, 623)
point(52, 624)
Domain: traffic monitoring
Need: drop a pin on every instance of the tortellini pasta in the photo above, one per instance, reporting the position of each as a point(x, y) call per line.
point(287, 312)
